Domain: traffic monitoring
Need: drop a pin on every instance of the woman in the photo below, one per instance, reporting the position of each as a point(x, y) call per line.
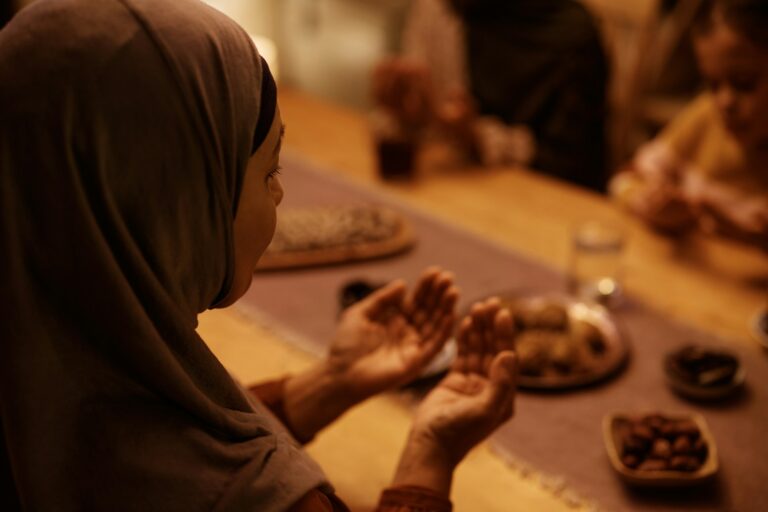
point(708, 169)
point(139, 148)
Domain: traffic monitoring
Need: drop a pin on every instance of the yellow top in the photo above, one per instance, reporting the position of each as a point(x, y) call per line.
point(697, 137)
point(696, 148)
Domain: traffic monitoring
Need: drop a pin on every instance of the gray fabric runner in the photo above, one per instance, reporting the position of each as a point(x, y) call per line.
point(556, 433)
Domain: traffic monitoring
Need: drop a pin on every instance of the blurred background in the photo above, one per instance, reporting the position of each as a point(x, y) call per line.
point(329, 47)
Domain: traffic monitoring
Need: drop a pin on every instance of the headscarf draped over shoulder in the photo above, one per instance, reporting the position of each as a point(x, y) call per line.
point(125, 129)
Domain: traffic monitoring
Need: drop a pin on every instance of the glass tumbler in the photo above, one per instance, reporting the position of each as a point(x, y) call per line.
point(595, 262)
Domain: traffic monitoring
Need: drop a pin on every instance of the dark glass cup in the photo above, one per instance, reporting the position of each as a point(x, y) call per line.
point(396, 158)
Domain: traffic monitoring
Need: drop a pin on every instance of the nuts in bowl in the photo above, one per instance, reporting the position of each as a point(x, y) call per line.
point(660, 449)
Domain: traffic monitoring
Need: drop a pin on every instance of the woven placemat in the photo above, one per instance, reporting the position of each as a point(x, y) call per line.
point(558, 434)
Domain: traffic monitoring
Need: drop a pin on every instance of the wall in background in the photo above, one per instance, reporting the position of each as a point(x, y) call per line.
point(329, 47)
point(326, 47)
point(255, 16)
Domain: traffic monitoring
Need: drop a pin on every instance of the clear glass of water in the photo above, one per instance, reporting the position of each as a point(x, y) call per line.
point(595, 264)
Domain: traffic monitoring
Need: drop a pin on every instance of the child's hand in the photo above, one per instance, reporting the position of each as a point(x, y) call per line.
point(386, 339)
point(746, 223)
point(666, 209)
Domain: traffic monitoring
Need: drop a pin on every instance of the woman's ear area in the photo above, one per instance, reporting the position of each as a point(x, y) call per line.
point(266, 156)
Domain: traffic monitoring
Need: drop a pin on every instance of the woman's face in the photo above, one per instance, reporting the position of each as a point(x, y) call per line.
point(737, 72)
point(256, 213)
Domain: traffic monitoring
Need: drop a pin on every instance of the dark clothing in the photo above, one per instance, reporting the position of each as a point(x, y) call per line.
point(541, 63)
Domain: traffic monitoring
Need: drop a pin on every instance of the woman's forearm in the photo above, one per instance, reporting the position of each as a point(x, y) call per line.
point(424, 464)
point(314, 398)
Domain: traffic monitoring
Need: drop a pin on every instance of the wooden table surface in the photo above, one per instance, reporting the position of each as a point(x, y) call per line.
point(712, 284)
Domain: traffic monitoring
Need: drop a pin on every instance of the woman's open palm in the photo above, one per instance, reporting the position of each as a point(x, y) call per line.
point(386, 339)
point(478, 394)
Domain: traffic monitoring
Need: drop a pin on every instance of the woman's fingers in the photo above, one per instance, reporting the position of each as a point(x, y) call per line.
point(431, 346)
point(504, 329)
point(414, 308)
point(383, 300)
point(442, 284)
point(474, 339)
point(486, 331)
point(439, 323)
point(425, 282)
point(460, 364)
point(503, 383)
point(431, 294)
point(434, 293)
point(490, 309)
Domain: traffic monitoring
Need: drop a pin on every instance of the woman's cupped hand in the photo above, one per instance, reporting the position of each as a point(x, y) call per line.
point(474, 399)
point(387, 339)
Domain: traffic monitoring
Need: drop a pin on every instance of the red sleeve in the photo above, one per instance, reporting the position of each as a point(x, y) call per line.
point(393, 499)
point(412, 499)
point(317, 501)
point(272, 394)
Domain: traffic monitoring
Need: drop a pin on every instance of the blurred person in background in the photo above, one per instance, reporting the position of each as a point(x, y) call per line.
point(512, 82)
point(708, 169)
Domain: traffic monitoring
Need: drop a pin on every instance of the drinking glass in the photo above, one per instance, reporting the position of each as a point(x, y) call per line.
point(595, 263)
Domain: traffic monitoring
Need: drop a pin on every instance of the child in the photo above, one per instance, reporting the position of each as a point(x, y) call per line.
point(708, 169)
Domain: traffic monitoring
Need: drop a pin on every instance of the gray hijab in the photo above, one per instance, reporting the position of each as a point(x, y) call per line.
point(125, 128)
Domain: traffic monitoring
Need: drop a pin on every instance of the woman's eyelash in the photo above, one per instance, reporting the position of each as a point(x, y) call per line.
point(274, 172)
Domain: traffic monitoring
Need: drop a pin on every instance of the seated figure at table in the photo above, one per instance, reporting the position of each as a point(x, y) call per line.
point(139, 144)
point(512, 82)
point(708, 169)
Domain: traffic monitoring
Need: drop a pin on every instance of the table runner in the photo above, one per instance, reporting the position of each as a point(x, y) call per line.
point(554, 433)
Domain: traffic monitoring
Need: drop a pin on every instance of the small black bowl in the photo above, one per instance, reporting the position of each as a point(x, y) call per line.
point(355, 291)
point(702, 372)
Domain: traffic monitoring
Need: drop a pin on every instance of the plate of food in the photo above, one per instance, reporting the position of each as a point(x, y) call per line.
point(704, 372)
point(660, 449)
point(326, 235)
point(564, 343)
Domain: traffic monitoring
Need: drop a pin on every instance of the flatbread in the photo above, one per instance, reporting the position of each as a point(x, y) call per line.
point(335, 234)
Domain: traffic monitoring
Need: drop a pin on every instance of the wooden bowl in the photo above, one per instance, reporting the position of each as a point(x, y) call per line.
point(658, 478)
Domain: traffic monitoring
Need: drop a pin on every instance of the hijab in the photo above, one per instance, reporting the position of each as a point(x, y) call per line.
point(125, 129)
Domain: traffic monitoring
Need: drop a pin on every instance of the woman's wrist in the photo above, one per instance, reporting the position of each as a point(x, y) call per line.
point(316, 397)
point(424, 463)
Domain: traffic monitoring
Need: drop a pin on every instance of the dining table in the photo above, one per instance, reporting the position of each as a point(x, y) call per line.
point(712, 285)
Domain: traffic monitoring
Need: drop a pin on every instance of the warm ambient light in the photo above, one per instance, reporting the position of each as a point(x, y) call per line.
point(606, 286)
point(268, 50)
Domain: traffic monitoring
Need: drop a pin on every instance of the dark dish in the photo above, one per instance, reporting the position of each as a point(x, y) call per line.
point(355, 291)
point(702, 372)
